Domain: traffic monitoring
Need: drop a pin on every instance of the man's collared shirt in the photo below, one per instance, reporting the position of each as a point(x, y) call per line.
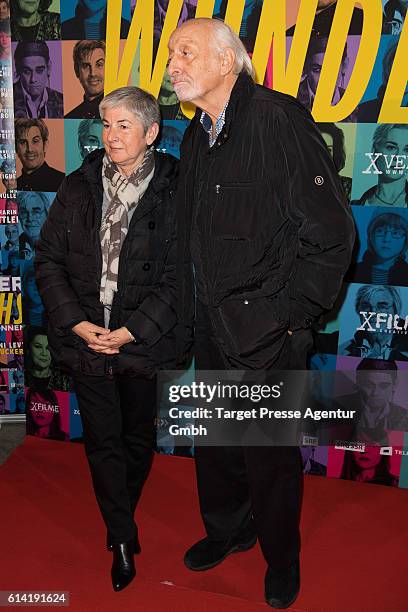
point(32, 110)
point(206, 122)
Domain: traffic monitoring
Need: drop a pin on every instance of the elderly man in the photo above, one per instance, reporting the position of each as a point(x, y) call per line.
point(263, 217)
point(89, 66)
point(31, 146)
point(32, 95)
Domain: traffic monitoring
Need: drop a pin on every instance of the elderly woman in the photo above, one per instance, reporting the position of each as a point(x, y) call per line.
point(390, 145)
point(106, 272)
point(384, 261)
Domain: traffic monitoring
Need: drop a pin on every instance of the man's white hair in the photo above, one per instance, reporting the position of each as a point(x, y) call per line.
point(225, 37)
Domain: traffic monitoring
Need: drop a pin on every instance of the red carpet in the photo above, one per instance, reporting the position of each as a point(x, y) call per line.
point(355, 539)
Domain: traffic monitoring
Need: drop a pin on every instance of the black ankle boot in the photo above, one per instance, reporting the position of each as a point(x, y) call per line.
point(136, 544)
point(123, 566)
point(282, 585)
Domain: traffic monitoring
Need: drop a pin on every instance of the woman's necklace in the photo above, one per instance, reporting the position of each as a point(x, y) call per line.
point(394, 200)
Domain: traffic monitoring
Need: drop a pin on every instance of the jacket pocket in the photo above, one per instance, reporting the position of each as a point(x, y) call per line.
point(236, 210)
point(251, 325)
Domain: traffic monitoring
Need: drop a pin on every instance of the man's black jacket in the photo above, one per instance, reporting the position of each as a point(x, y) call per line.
point(44, 178)
point(68, 271)
point(280, 230)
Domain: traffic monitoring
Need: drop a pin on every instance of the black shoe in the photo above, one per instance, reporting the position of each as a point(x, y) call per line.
point(282, 586)
point(206, 553)
point(136, 544)
point(123, 566)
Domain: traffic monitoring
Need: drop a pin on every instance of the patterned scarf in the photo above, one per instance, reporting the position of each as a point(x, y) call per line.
point(123, 194)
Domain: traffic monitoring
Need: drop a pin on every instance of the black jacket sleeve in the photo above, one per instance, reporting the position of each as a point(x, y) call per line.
point(156, 315)
point(318, 206)
point(57, 294)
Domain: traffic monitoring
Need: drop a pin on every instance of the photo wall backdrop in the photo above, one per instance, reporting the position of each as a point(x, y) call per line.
point(53, 71)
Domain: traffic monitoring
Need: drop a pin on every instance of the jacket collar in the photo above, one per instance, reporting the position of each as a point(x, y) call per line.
point(240, 99)
point(165, 171)
point(241, 94)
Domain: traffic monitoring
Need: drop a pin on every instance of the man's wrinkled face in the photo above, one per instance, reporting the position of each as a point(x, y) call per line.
point(194, 64)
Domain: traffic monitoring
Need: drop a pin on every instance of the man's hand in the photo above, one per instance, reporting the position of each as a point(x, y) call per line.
point(110, 342)
point(290, 332)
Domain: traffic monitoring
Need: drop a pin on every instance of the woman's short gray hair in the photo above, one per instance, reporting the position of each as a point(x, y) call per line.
point(137, 101)
point(225, 37)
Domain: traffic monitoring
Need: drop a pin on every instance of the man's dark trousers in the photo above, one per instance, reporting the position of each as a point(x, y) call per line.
point(118, 426)
point(236, 483)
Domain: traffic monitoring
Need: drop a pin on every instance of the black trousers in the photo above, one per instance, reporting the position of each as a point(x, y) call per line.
point(118, 425)
point(240, 484)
